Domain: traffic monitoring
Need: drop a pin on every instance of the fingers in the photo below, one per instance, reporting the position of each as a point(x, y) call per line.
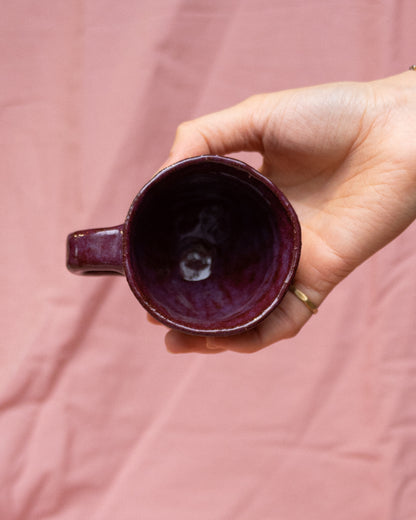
point(179, 343)
point(234, 129)
point(285, 322)
point(153, 320)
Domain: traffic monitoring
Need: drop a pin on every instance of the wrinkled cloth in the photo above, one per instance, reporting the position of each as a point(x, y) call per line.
point(97, 420)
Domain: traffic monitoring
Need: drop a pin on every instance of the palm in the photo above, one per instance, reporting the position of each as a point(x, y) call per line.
point(340, 187)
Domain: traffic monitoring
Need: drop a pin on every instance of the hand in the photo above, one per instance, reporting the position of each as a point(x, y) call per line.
point(345, 156)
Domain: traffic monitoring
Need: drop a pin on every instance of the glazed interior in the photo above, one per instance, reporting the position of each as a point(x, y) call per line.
point(211, 248)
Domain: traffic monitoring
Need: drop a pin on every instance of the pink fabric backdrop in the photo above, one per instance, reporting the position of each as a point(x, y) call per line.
point(97, 420)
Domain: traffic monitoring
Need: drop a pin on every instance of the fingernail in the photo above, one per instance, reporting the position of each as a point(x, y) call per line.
point(211, 345)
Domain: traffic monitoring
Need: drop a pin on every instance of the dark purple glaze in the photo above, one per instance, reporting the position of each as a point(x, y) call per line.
point(96, 251)
point(210, 246)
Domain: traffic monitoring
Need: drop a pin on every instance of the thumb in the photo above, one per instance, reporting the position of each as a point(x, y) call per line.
point(235, 129)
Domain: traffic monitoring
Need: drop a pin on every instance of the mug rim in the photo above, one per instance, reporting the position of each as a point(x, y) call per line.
point(127, 257)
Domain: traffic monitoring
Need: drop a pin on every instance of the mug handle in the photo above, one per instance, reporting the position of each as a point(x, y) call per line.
point(96, 251)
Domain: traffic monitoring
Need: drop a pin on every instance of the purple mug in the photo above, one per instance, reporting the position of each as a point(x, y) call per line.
point(209, 246)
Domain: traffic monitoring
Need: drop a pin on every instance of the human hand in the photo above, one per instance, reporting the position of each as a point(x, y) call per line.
point(344, 156)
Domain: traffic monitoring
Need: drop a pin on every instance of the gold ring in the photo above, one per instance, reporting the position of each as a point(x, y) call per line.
point(412, 67)
point(304, 299)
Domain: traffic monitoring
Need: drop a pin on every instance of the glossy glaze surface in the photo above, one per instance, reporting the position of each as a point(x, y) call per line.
point(211, 246)
point(96, 251)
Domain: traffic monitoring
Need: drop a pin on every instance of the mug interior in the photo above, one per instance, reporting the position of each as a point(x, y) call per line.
point(211, 246)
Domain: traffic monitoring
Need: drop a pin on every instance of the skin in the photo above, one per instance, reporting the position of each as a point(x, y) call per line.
point(345, 156)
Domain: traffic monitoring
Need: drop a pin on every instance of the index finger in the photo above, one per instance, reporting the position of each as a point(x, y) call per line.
point(235, 129)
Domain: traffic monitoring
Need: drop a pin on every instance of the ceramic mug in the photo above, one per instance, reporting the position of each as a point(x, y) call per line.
point(209, 246)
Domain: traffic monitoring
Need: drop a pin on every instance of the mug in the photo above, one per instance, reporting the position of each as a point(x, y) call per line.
point(209, 246)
